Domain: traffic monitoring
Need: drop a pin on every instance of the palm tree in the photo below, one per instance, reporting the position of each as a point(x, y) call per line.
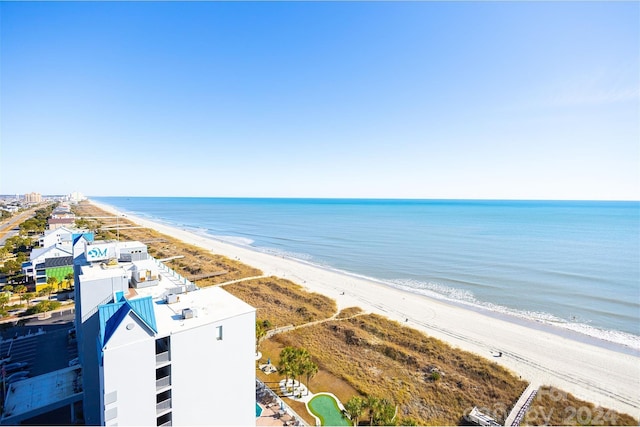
point(372, 404)
point(29, 296)
point(4, 300)
point(295, 362)
point(381, 411)
point(309, 368)
point(354, 408)
point(260, 332)
point(287, 363)
point(20, 289)
point(69, 279)
point(52, 282)
point(47, 290)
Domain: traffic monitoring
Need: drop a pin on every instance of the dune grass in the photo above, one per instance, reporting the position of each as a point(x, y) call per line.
point(282, 302)
point(380, 357)
point(552, 406)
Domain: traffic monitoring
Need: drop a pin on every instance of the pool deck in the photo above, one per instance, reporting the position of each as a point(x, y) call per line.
point(271, 417)
point(274, 410)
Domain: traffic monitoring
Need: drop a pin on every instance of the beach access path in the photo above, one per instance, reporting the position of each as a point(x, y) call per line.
point(595, 373)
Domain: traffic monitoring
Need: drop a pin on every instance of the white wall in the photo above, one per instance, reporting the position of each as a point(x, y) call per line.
point(56, 236)
point(93, 292)
point(130, 371)
point(214, 380)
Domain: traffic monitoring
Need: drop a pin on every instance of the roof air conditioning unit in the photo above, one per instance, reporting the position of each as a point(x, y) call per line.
point(187, 313)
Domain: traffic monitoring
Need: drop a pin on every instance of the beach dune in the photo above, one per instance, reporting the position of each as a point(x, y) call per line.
point(596, 372)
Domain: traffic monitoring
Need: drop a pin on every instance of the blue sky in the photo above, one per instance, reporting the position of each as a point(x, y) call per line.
point(504, 100)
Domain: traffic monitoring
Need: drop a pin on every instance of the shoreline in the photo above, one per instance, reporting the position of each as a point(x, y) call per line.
point(632, 349)
point(591, 369)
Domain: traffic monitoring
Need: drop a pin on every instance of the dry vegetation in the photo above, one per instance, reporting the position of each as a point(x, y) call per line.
point(555, 407)
point(349, 312)
point(362, 354)
point(282, 302)
point(432, 382)
point(195, 262)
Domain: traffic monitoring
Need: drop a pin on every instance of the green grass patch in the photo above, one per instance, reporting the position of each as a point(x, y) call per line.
point(326, 408)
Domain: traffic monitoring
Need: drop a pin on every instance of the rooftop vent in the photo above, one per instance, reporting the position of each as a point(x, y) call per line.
point(187, 313)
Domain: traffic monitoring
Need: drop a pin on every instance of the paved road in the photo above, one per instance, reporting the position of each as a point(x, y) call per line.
point(10, 227)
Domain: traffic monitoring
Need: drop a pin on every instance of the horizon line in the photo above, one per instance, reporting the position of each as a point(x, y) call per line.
point(488, 199)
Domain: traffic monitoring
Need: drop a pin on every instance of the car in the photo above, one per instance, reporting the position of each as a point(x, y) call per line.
point(74, 362)
point(15, 366)
point(17, 376)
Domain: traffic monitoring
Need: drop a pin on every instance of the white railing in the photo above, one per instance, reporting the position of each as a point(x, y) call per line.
point(162, 358)
point(175, 277)
point(163, 406)
point(163, 382)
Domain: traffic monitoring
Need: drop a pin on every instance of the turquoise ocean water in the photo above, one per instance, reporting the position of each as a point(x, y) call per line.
point(575, 265)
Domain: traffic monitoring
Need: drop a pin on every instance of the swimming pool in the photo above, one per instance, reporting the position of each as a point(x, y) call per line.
point(325, 407)
point(258, 410)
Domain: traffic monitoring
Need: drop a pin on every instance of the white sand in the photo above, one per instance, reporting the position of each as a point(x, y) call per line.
point(592, 373)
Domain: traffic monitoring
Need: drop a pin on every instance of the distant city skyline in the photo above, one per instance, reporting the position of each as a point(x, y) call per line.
point(444, 100)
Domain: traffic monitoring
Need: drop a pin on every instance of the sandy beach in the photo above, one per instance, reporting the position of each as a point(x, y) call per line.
point(596, 373)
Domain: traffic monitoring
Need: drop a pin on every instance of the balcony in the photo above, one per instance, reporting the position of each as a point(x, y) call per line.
point(163, 406)
point(162, 358)
point(163, 383)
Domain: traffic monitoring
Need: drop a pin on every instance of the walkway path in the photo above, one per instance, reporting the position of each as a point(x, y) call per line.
point(522, 405)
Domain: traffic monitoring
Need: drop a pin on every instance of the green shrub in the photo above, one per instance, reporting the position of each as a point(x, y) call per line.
point(43, 306)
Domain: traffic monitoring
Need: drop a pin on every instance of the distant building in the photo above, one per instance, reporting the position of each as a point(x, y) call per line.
point(54, 257)
point(33, 198)
point(76, 196)
point(154, 348)
point(55, 236)
point(55, 223)
point(35, 269)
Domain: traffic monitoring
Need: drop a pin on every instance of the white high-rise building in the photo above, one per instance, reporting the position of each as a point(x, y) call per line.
point(76, 196)
point(154, 348)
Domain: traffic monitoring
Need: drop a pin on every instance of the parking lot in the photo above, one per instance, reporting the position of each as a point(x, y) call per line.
point(43, 344)
point(43, 351)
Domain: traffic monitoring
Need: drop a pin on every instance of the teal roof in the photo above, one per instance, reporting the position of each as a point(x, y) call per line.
point(87, 236)
point(111, 315)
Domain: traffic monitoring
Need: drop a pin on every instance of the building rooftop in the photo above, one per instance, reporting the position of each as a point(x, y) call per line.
point(168, 298)
point(175, 293)
point(208, 305)
point(101, 270)
point(41, 394)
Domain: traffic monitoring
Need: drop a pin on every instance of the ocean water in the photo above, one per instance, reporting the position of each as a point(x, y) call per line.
point(572, 264)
